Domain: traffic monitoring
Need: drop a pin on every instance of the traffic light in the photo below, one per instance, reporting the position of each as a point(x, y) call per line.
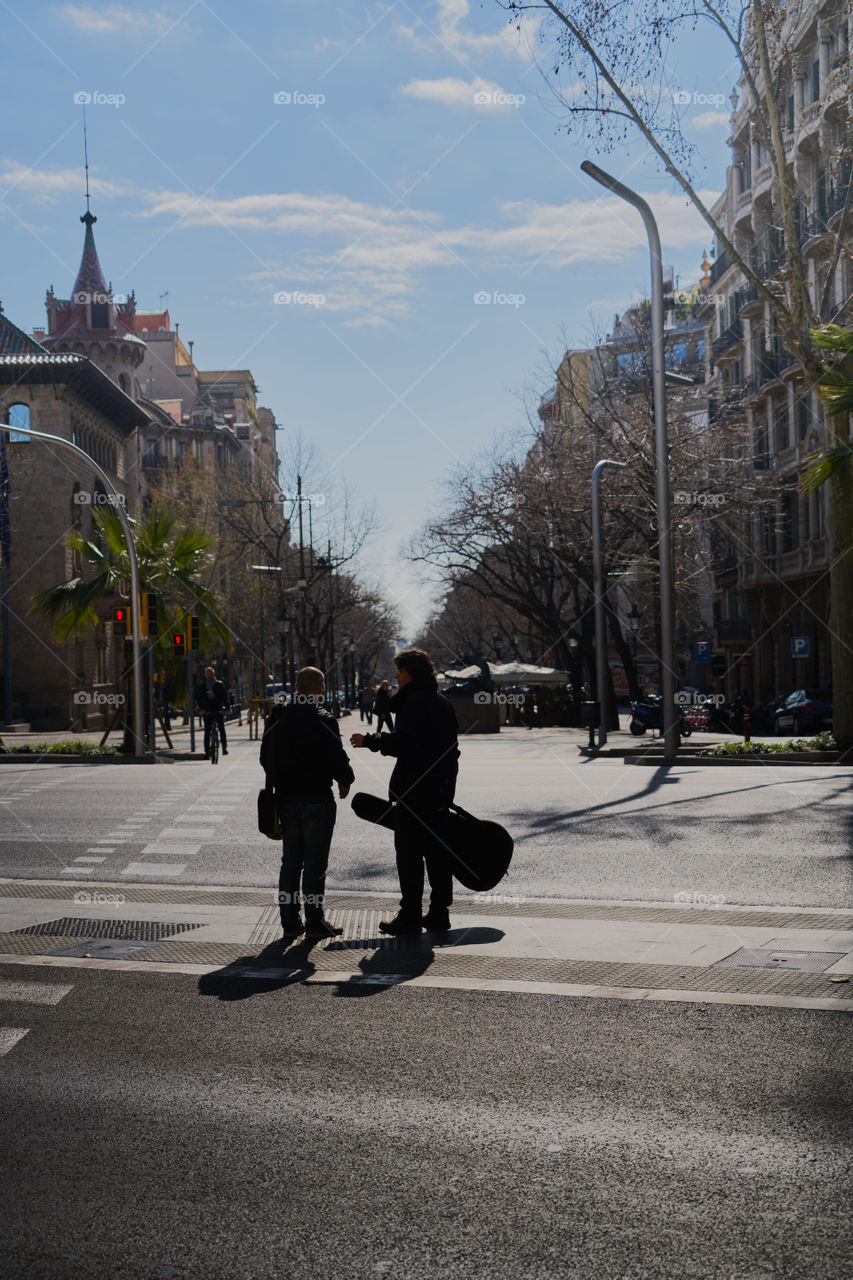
point(149, 614)
point(121, 621)
point(193, 621)
point(178, 644)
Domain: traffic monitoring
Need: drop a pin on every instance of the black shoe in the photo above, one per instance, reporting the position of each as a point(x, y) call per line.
point(439, 921)
point(400, 924)
point(322, 929)
point(225, 751)
point(291, 931)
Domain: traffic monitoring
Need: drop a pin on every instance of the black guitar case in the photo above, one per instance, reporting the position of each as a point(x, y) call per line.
point(480, 851)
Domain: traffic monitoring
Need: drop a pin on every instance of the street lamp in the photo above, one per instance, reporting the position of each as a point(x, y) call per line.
point(598, 596)
point(669, 714)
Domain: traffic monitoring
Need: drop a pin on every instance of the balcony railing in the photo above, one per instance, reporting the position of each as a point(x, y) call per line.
point(728, 338)
point(835, 200)
point(769, 366)
point(720, 266)
point(746, 294)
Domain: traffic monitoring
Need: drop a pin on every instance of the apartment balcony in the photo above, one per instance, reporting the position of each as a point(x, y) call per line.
point(720, 266)
point(808, 125)
point(730, 337)
point(837, 87)
point(835, 200)
point(761, 181)
point(748, 301)
point(743, 207)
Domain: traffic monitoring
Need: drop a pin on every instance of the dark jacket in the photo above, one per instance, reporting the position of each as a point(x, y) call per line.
point(302, 754)
point(218, 699)
point(424, 744)
point(382, 702)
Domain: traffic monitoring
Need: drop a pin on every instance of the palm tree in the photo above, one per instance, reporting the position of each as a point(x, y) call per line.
point(171, 559)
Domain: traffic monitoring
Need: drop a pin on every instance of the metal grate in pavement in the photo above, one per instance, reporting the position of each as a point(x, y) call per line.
point(79, 927)
point(801, 961)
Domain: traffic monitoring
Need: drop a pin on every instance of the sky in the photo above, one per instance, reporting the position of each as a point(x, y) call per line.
point(372, 206)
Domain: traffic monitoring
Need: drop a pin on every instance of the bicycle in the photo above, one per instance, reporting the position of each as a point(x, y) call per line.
point(211, 733)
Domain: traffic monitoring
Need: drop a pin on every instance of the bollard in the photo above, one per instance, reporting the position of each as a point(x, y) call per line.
point(747, 725)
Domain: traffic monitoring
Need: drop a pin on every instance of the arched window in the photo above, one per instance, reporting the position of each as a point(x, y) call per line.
point(124, 383)
point(19, 416)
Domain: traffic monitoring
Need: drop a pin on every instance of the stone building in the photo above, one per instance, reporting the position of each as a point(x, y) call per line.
point(771, 570)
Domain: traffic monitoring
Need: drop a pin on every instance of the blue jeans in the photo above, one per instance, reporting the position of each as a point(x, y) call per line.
point(306, 830)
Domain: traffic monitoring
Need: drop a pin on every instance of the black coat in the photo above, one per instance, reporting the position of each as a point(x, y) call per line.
point(424, 744)
point(382, 703)
point(218, 700)
point(302, 754)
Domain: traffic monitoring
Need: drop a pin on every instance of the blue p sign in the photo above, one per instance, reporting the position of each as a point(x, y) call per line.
point(799, 646)
point(703, 651)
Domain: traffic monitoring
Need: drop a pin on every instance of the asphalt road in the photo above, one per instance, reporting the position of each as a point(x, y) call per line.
point(747, 835)
point(175, 1128)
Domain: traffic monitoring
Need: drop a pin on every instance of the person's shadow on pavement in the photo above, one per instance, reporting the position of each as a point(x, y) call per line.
point(275, 967)
point(383, 969)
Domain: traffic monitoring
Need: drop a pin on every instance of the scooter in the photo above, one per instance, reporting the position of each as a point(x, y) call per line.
point(646, 715)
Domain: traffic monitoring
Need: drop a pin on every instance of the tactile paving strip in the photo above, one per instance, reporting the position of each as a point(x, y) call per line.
point(360, 929)
point(501, 903)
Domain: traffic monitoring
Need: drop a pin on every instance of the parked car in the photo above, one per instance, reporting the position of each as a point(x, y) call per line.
point(804, 711)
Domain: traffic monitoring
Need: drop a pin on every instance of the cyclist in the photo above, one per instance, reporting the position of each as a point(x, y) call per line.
point(212, 700)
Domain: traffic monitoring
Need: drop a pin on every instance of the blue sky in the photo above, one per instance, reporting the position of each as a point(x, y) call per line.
point(380, 167)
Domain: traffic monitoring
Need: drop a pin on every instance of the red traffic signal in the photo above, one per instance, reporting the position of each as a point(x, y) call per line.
point(121, 621)
point(178, 644)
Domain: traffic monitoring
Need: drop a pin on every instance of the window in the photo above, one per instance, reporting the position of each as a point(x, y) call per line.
point(19, 416)
point(820, 521)
point(790, 520)
point(816, 81)
point(676, 354)
point(789, 113)
point(804, 417)
point(700, 349)
point(100, 313)
point(783, 425)
point(761, 449)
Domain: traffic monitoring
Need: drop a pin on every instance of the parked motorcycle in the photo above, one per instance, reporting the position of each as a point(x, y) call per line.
point(647, 715)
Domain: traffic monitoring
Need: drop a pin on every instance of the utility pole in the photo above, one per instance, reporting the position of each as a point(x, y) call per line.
point(598, 595)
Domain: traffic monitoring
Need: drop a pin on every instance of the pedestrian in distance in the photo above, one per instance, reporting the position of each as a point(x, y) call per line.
point(423, 784)
point(365, 706)
point(212, 700)
point(302, 755)
point(382, 706)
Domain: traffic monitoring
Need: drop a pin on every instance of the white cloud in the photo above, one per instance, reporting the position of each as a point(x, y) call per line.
point(446, 29)
point(116, 18)
point(710, 120)
point(452, 91)
point(45, 185)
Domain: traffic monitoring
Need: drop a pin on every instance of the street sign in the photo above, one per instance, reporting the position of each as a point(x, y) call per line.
point(799, 646)
point(703, 651)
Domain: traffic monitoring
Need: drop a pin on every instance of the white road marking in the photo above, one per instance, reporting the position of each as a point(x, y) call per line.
point(9, 1037)
point(85, 858)
point(33, 992)
point(77, 871)
point(154, 869)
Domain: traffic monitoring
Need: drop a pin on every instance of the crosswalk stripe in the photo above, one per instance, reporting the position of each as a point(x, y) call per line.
point(154, 869)
point(9, 1037)
point(33, 992)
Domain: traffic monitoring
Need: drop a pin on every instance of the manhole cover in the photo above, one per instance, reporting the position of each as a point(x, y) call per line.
point(103, 948)
point(801, 961)
point(138, 930)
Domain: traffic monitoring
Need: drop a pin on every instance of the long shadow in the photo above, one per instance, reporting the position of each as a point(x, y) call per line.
point(277, 967)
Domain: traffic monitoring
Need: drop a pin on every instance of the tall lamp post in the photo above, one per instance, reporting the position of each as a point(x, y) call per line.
point(135, 596)
point(598, 595)
point(669, 712)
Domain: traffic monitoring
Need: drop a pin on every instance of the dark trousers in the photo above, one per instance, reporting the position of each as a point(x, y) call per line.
point(212, 721)
point(306, 831)
point(419, 841)
point(384, 718)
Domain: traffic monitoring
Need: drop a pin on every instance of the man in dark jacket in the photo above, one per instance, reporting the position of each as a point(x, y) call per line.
point(422, 785)
point(211, 699)
point(301, 755)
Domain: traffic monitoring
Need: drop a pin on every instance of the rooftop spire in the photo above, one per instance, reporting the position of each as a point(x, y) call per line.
point(90, 278)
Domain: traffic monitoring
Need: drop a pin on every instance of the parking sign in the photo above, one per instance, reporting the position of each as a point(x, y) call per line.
point(703, 651)
point(799, 646)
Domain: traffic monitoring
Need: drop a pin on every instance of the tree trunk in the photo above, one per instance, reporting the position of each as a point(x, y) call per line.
point(839, 533)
